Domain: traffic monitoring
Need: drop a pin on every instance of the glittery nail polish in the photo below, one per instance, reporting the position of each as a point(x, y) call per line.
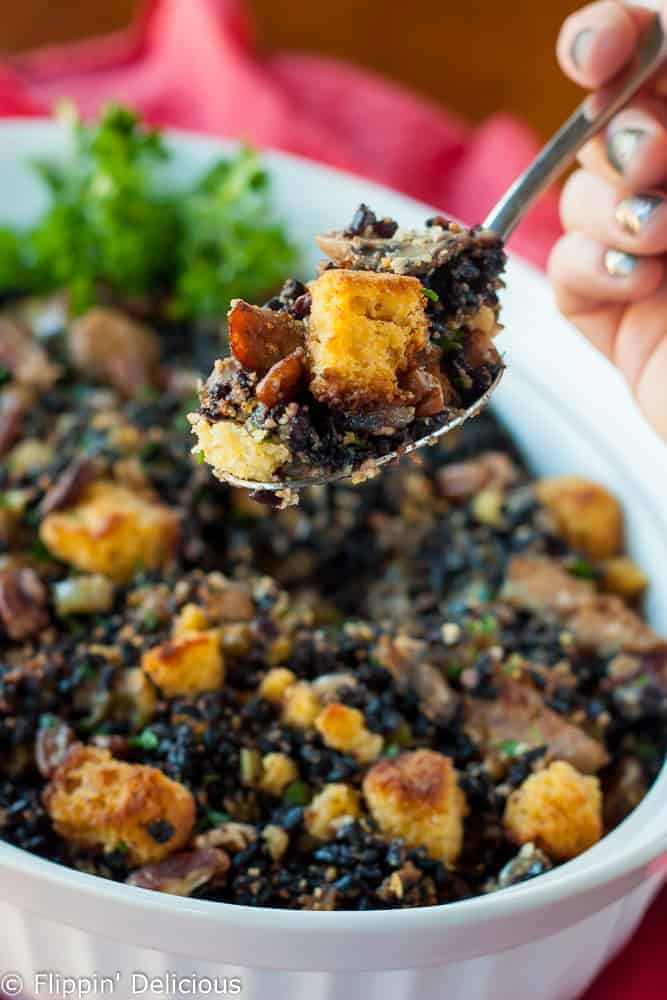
point(622, 145)
point(580, 45)
point(619, 264)
point(635, 212)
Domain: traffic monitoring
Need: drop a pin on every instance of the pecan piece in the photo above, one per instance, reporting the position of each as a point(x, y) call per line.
point(233, 837)
point(51, 745)
point(259, 338)
point(281, 382)
point(22, 603)
point(183, 873)
point(69, 485)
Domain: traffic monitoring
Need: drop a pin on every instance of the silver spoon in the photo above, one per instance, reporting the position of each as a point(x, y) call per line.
point(587, 121)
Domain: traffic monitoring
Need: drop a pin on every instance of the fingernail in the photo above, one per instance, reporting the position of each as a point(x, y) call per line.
point(622, 146)
point(581, 46)
point(634, 213)
point(619, 264)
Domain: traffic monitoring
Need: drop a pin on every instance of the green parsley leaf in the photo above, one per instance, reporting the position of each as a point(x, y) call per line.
point(146, 740)
point(201, 458)
point(217, 817)
point(297, 794)
point(582, 568)
point(430, 294)
point(509, 747)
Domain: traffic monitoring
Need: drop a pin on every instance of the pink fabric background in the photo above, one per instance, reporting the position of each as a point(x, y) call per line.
point(194, 64)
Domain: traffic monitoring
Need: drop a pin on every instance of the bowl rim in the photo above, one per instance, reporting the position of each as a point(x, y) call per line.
point(627, 860)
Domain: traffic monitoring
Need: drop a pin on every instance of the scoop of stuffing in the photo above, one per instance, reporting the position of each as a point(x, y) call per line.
point(344, 729)
point(364, 330)
point(587, 515)
point(96, 801)
point(558, 809)
point(416, 796)
point(333, 804)
point(112, 530)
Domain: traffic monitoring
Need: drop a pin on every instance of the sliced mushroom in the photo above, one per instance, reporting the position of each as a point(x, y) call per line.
point(22, 603)
point(24, 357)
point(183, 873)
point(459, 481)
point(405, 658)
point(106, 344)
point(520, 715)
point(259, 338)
point(408, 251)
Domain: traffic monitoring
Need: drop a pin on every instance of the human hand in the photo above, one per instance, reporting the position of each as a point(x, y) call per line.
point(609, 270)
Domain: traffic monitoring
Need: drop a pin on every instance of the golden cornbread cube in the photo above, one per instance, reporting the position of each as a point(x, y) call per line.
point(278, 771)
point(300, 705)
point(187, 664)
point(231, 450)
point(275, 683)
point(558, 809)
point(587, 515)
point(191, 618)
point(334, 803)
point(343, 728)
point(364, 329)
point(112, 530)
point(97, 801)
point(416, 796)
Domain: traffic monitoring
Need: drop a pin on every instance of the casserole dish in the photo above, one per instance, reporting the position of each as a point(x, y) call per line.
point(547, 940)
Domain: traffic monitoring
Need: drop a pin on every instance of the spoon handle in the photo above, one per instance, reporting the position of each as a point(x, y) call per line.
point(589, 119)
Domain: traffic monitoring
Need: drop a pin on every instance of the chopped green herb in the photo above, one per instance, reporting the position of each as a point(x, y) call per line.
point(582, 568)
point(509, 747)
point(201, 458)
point(150, 451)
point(484, 625)
point(121, 847)
point(430, 294)
point(5, 375)
point(392, 750)
point(146, 740)
point(39, 552)
point(641, 681)
point(646, 751)
point(297, 794)
point(150, 622)
point(217, 817)
point(454, 671)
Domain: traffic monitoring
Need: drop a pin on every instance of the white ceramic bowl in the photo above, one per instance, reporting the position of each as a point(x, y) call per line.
point(544, 940)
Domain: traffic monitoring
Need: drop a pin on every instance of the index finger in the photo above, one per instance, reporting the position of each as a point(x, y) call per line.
point(597, 41)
